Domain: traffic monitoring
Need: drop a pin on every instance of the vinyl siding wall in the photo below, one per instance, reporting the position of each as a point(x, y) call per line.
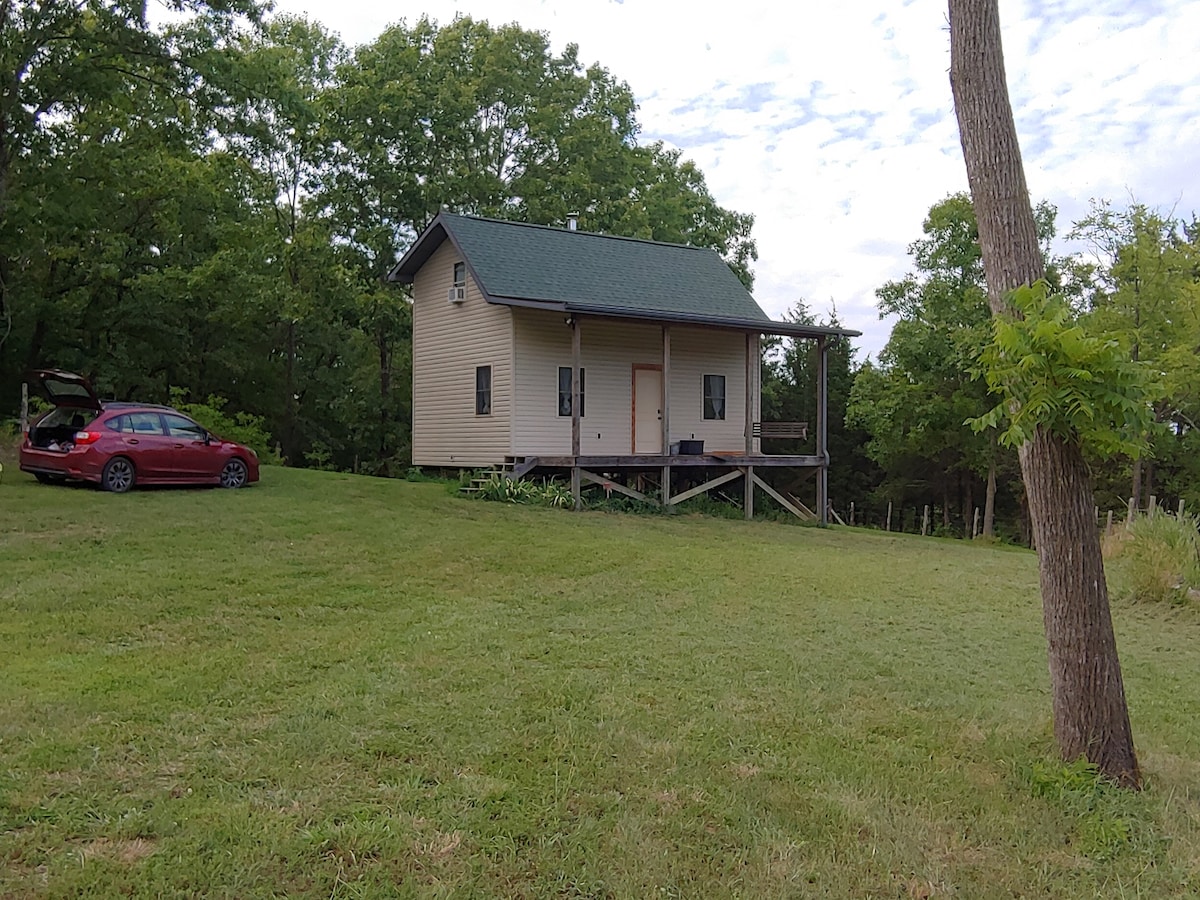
point(449, 342)
point(610, 349)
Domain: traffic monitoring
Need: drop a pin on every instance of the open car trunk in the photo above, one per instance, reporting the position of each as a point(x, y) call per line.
point(75, 407)
point(56, 430)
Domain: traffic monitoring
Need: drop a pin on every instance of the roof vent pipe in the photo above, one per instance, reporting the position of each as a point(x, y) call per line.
point(572, 221)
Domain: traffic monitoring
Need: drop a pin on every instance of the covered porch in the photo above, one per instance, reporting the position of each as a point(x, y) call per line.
point(655, 455)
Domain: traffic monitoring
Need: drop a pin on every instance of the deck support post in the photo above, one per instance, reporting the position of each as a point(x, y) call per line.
point(748, 487)
point(666, 489)
point(576, 359)
point(823, 430)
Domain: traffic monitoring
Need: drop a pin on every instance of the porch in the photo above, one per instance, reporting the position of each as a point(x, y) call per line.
point(653, 478)
point(652, 433)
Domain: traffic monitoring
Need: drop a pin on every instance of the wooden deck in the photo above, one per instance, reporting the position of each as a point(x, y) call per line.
point(620, 473)
point(679, 461)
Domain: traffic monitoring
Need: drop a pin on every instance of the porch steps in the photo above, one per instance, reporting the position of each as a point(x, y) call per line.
point(514, 468)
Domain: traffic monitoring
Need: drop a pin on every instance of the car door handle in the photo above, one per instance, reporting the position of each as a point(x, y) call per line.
point(179, 446)
point(131, 440)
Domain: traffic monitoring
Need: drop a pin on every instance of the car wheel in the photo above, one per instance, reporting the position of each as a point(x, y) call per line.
point(44, 478)
point(118, 475)
point(234, 474)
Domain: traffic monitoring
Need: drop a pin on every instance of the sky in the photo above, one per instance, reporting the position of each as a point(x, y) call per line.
point(833, 123)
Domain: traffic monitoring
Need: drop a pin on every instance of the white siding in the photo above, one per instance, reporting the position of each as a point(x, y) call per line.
point(610, 349)
point(449, 342)
point(696, 352)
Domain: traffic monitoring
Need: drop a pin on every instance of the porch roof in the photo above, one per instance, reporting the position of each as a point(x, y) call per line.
point(572, 272)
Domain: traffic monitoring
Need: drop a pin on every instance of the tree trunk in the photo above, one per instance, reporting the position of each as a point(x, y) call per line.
point(989, 503)
point(385, 400)
point(1090, 715)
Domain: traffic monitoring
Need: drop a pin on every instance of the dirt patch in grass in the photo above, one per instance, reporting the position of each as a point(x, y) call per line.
point(127, 852)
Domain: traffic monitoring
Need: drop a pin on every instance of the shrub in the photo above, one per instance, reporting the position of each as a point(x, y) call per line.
point(242, 427)
point(1159, 557)
point(537, 493)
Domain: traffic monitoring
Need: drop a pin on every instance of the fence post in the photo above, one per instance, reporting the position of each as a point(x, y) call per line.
point(1108, 524)
point(925, 521)
point(1180, 508)
point(1152, 509)
point(888, 527)
point(851, 513)
point(975, 525)
point(1129, 514)
point(24, 409)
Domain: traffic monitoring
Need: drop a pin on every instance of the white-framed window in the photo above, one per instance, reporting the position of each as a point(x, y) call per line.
point(714, 397)
point(460, 274)
point(564, 391)
point(483, 390)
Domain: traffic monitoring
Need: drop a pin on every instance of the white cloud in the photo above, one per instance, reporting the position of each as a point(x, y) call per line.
point(834, 124)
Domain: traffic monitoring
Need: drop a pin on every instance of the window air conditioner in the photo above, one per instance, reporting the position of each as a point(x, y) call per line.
point(457, 294)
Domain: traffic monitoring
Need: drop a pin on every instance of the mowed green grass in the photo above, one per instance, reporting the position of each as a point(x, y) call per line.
point(333, 686)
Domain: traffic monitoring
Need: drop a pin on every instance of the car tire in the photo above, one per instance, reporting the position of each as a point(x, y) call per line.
point(234, 474)
point(118, 475)
point(46, 478)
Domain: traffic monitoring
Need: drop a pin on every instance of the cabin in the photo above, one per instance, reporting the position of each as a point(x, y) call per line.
point(617, 360)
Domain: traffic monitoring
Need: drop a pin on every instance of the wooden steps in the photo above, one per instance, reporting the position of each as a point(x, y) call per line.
point(513, 468)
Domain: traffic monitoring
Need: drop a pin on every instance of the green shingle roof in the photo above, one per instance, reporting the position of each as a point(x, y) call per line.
point(515, 262)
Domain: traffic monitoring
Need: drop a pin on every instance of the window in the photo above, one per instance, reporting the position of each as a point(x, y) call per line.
point(483, 390)
point(183, 427)
point(460, 274)
point(714, 397)
point(564, 391)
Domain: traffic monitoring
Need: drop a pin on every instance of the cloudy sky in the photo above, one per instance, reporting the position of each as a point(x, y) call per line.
point(833, 123)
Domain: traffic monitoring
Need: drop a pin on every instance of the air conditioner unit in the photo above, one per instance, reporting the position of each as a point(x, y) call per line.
point(457, 294)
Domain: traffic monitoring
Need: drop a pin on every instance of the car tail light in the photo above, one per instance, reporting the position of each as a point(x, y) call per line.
point(83, 438)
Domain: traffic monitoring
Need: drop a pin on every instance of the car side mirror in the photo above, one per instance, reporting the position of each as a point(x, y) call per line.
point(208, 438)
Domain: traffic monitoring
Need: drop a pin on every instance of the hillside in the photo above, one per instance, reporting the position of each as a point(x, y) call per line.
point(334, 686)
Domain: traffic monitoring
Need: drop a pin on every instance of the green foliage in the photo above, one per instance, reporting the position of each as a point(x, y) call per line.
point(1159, 557)
point(1051, 373)
point(215, 204)
point(546, 492)
point(242, 427)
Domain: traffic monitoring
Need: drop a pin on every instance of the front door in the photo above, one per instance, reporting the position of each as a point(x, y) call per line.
point(647, 410)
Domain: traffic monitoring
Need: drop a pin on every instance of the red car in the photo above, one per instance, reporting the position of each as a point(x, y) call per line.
point(118, 445)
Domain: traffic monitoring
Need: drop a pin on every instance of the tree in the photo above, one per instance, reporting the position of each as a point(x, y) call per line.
point(1145, 292)
point(1091, 718)
point(789, 394)
point(58, 57)
point(915, 402)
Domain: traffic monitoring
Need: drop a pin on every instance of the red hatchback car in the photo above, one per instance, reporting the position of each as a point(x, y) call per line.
point(118, 445)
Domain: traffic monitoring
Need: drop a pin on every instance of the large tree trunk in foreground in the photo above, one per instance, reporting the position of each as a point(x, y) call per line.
point(1090, 715)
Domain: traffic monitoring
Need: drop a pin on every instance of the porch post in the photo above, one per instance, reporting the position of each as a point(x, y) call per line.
point(576, 356)
point(665, 404)
point(823, 430)
point(748, 497)
point(752, 363)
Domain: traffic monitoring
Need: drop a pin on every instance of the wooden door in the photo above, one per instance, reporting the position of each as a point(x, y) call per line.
point(647, 410)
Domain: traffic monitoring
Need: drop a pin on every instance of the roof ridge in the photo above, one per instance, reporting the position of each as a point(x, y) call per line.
point(596, 234)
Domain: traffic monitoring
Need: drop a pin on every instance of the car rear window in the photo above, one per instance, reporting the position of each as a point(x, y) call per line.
point(135, 423)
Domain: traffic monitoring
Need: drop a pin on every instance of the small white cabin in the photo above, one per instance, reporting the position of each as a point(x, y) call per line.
point(541, 347)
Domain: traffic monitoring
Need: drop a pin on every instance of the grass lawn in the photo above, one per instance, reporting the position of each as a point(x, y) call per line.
point(332, 686)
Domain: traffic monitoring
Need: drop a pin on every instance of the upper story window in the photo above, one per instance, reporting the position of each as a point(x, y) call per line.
point(714, 397)
point(460, 274)
point(564, 391)
point(483, 390)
